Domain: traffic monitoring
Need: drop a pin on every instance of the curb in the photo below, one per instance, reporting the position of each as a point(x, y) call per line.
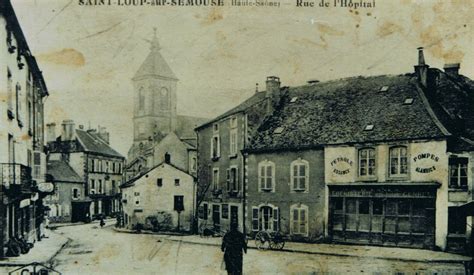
point(12, 264)
point(335, 254)
point(146, 232)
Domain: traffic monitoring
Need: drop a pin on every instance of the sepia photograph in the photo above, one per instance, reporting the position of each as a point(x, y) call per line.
point(236, 137)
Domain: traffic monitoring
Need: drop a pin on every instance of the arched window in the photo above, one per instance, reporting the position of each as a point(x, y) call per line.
point(299, 170)
point(398, 161)
point(266, 176)
point(299, 219)
point(367, 162)
point(265, 217)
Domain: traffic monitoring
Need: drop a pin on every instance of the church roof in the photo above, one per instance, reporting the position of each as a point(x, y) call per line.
point(155, 64)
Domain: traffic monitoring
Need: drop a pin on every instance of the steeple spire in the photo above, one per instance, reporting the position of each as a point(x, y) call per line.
point(155, 45)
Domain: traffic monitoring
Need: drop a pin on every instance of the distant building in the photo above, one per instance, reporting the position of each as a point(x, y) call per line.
point(22, 155)
point(89, 154)
point(68, 203)
point(160, 199)
point(396, 153)
point(221, 163)
point(157, 128)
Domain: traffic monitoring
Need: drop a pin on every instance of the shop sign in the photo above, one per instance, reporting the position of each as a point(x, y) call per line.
point(364, 193)
point(341, 166)
point(25, 203)
point(425, 162)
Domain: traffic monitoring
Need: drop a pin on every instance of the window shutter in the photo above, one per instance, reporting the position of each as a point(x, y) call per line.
point(255, 224)
point(237, 179)
point(276, 219)
point(295, 220)
point(205, 211)
point(228, 178)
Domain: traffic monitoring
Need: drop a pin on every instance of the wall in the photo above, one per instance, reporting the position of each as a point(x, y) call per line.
point(63, 198)
point(283, 197)
point(153, 199)
point(341, 166)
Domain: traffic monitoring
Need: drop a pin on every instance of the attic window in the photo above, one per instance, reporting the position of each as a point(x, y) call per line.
point(384, 89)
point(408, 101)
point(293, 100)
point(278, 130)
point(369, 127)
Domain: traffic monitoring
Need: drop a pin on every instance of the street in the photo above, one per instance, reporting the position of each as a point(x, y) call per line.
point(94, 250)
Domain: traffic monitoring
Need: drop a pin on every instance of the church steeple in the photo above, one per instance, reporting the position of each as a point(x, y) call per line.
point(155, 100)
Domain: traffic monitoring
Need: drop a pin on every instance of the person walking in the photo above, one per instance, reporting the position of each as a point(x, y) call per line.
point(233, 244)
point(102, 222)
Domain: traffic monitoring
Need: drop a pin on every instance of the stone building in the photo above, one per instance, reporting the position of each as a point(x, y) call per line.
point(161, 199)
point(22, 156)
point(157, 128)
point(90, 155)
point(220, 161)
point(68, 201)
point(396, 153)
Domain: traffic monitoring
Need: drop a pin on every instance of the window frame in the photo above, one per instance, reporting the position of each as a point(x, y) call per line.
point(233, 137)
point(78, 193)
point(367, 159)
point(266, 164)
point(459, 162)
point(299, 162)
point(230, 181)
point(398, 175)
point(215, 179)
point(299, 208)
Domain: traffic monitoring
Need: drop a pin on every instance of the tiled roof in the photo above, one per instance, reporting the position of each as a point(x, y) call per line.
point(249, 102)
point(131, 182)
point(155, 65)
point(62, 172)
point(341, 111)
point(92, 143)
point(186, 124)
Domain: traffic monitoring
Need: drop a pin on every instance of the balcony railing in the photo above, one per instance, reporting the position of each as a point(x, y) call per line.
point(15, 174)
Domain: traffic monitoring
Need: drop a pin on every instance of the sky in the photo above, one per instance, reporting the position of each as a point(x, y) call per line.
point(88, 54)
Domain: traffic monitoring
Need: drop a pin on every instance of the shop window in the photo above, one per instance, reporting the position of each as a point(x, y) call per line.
point(367, 162)
point(377, 207)
point(299, 219)
point(266, 176)
point(404, 208)
point(350, 206)
point(398, 161)
point(225, 211)
point(299, 175)
point(364, 207)
point(458, 172)
point(338, 204)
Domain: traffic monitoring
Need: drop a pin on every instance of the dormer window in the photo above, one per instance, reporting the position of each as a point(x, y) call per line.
point(408, 101)
point(294, 99)
point(369, 127)
point(278, 130)
point(384, 89)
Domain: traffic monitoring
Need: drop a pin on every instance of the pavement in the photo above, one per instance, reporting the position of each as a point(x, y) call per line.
point(42, 252)
point(386, 253)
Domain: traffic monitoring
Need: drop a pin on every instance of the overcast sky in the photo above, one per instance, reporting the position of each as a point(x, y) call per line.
point(89, 54)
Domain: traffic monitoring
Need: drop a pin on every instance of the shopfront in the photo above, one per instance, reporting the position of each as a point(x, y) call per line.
point(398, 214)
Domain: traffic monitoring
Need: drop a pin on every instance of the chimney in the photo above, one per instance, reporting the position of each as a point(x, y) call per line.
point(81, 127)
point(50, 132)
point(272, 92)
point(421, 70)
point(167, 158)
point(68, 130)
point(452, 69)
point(103, 134)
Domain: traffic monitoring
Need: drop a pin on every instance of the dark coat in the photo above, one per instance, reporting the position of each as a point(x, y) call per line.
point(233, 245)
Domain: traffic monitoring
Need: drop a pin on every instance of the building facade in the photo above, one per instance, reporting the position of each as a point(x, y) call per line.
point(22, 155)
point(161, 199)
point(396, 153)
point(89, 154)
point(67, 202)
point(220, 160)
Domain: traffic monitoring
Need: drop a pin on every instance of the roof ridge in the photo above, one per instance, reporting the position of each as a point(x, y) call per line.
point(430, 111)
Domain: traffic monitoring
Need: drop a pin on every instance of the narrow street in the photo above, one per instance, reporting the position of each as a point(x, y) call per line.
point(94, 250)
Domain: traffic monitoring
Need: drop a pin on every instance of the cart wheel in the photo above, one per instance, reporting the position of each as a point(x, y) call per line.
point(277, 245)
point(261, 240)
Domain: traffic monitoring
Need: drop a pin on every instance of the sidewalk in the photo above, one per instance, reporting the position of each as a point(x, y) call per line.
point(387, 253)
point(42, 252)
point(55, 225)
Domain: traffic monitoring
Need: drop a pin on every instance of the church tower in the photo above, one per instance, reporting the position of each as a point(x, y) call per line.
point(155, 97)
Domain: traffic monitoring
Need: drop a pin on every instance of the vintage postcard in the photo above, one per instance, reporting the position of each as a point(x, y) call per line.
point(236, 136)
